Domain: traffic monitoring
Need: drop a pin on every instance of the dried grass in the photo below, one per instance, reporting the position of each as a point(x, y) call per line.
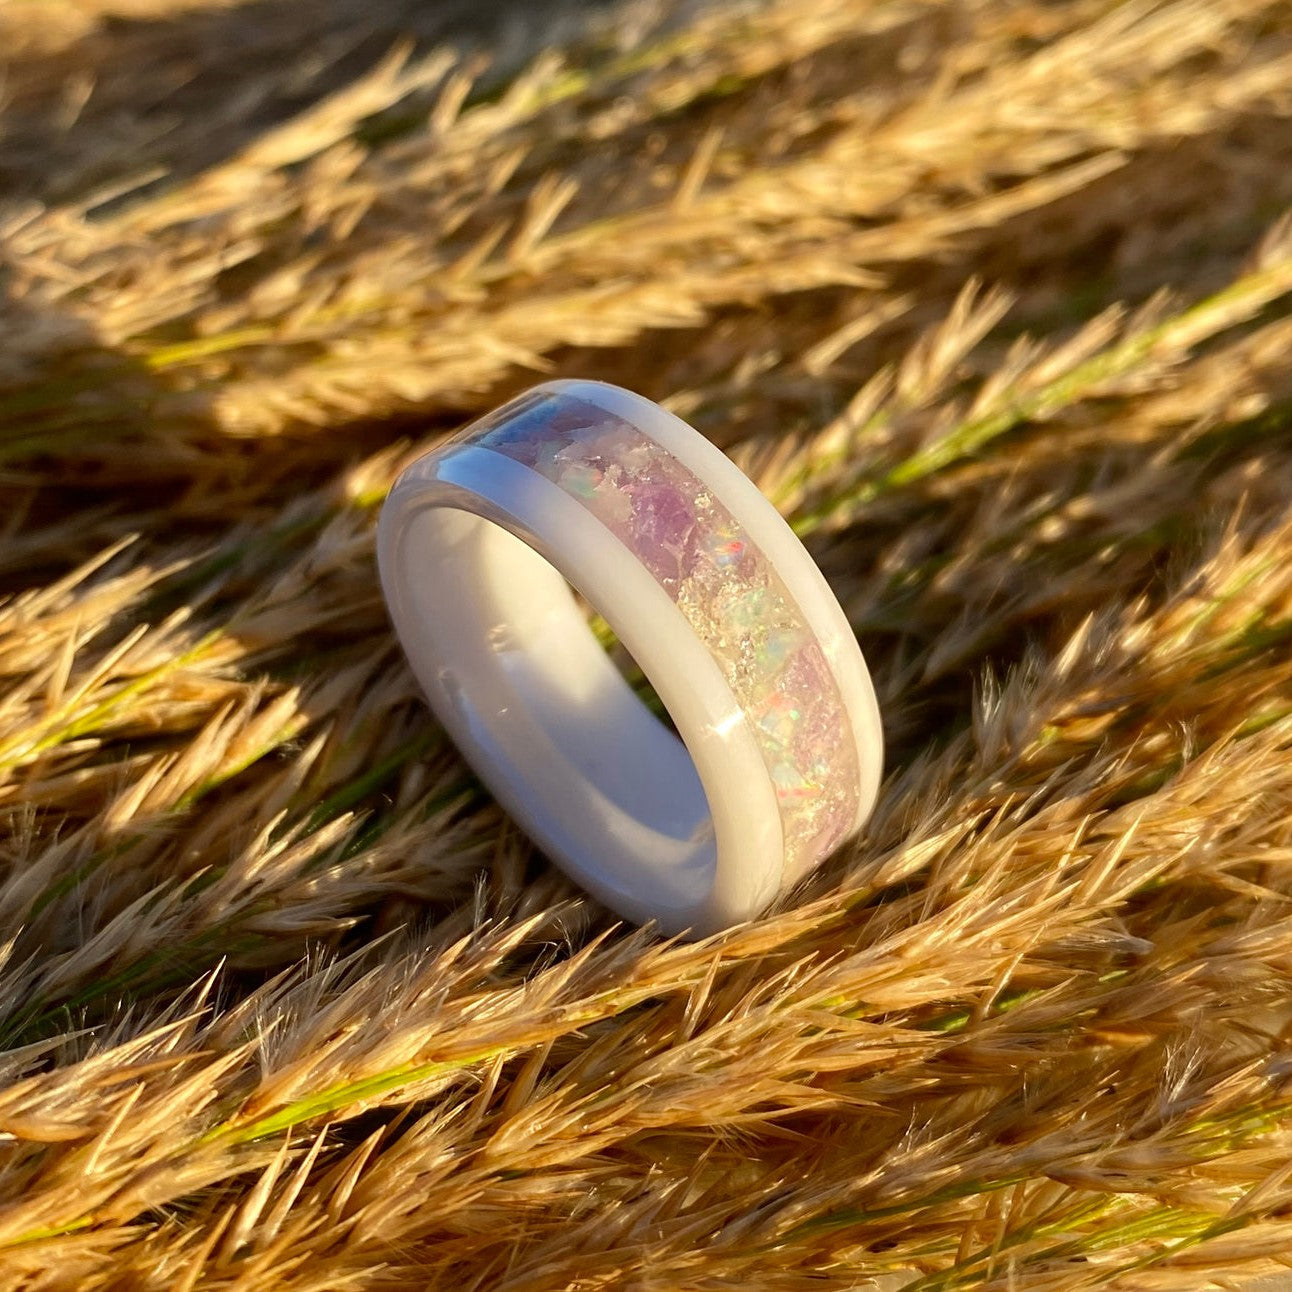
point(993, 299)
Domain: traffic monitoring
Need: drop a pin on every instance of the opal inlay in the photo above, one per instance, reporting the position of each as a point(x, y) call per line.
point(722, 583)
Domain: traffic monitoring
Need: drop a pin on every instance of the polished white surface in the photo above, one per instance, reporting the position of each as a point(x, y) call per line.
point(476, 552)
point(770, 531)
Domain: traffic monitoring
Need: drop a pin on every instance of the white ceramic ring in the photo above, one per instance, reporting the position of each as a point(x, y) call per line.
point(586, 484)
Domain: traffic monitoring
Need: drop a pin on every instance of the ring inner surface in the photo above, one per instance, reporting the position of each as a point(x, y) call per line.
point(560, 737)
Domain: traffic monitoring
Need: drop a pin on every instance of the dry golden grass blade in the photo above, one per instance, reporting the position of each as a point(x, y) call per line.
point(992, 299)
point(367, 321)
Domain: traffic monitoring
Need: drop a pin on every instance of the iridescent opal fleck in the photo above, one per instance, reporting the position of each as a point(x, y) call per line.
point(724, 585)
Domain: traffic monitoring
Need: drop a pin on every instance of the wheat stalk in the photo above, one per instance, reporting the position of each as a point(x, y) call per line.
point(992, 300)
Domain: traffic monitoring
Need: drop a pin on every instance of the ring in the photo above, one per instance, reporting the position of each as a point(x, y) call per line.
point(584, 485)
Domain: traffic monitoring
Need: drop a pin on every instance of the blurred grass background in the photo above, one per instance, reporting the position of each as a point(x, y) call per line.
point(992, 300)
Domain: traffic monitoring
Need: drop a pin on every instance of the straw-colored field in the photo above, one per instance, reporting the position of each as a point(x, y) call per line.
point(994, 299)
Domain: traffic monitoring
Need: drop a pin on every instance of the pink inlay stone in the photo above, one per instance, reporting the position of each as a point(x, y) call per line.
point(727, 589)
point(664, 529)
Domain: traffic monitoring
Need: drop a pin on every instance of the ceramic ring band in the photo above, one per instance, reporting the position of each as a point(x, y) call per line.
point(585, 484)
